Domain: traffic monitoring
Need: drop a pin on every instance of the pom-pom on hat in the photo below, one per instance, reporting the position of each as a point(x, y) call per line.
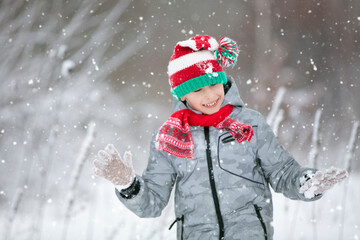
point(198, 61)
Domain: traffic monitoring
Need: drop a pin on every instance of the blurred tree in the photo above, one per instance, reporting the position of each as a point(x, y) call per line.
point(57, 59)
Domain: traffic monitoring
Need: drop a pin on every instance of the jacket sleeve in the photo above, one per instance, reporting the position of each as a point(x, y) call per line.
point(279, 167)
point(155, 186)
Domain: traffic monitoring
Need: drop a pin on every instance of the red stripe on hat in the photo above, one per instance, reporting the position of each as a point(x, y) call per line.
point(181, 51)
point(194, 71)
point(202, 42)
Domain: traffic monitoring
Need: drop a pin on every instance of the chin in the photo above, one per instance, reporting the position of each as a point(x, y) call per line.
point(210, 111)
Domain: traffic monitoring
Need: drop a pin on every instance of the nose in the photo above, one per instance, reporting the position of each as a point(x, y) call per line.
point(208, 93)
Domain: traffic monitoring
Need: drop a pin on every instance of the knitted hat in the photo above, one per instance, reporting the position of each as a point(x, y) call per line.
point(197, 62)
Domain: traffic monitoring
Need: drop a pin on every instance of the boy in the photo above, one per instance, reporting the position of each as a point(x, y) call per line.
point(221, 155)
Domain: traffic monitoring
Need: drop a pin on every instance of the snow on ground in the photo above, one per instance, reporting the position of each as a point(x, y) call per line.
point(106, 218)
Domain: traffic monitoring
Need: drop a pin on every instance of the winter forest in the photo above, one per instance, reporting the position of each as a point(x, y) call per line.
point(77, 75)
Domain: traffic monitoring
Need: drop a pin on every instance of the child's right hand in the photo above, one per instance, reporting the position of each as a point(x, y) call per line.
point(113, 168)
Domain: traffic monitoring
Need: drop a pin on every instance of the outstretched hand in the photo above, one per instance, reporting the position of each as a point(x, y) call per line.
point(323, 181)
point(113, 168)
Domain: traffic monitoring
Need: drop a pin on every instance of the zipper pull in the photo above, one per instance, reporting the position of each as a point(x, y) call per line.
point(176, 220)
point(257, 207)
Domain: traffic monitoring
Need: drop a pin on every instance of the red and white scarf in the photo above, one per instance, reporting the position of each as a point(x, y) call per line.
point(175, 136)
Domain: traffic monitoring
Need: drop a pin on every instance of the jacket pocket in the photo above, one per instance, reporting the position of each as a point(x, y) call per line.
point(228, 139)
point(179, 219)
point(258, 214)
point(237, 159)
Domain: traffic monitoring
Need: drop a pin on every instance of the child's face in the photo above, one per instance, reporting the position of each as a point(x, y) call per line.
point(207, 99)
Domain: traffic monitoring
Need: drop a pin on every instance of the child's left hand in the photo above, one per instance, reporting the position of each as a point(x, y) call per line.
point(322, 181)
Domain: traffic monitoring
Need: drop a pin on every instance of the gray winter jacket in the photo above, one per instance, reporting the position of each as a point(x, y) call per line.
point(224, 190)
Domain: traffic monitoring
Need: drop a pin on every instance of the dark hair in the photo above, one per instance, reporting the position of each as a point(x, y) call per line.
point(227, 86)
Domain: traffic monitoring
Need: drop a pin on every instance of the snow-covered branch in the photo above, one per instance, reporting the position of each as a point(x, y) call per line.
point(275, 115)
point(348, 159)
point(315, 140)
point(79, 163)
point(276, 105)
point(13, 212)
point(278, 119)
point(351, 146)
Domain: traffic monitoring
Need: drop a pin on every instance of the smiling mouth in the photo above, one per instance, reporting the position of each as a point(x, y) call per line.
point(212, 104)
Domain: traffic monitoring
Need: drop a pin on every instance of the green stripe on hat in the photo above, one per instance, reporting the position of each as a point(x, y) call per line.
point(198, 82)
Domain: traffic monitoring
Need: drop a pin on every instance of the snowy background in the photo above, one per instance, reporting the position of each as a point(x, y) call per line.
point(76, 75)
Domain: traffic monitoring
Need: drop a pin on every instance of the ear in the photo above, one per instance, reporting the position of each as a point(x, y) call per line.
point(183, 98)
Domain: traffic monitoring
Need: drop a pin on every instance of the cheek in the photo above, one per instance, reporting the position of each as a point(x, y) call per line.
point(198, 101)
point(194, 100)
point(220, 93)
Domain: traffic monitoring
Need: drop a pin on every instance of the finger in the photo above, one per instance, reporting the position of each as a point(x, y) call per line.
point(331, 170)
point(336, 175)
point(328, 184)
point(335, 171)
point(112, 151)
point(342, 174)
point(128, 158)
point(303, 189)
point(104, 156)
point(306, 186)
point(339, 177)
point(324, 187)
point(319, 175)
point(109, 148)
point(99, 164)
point(320, 191)
point(99, 172)
point(310, 193)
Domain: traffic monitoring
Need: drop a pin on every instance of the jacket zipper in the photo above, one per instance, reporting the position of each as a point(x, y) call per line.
point(212, 184)
point(258, 214)
point(182, 225)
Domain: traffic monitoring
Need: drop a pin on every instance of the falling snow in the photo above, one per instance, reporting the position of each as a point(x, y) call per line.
point(313, 64)
point(65, 65)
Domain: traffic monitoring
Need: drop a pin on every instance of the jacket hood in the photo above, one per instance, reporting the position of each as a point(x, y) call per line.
point(232, 97)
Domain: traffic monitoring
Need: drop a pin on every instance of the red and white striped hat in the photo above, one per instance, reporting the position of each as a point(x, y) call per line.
point(197, 62)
